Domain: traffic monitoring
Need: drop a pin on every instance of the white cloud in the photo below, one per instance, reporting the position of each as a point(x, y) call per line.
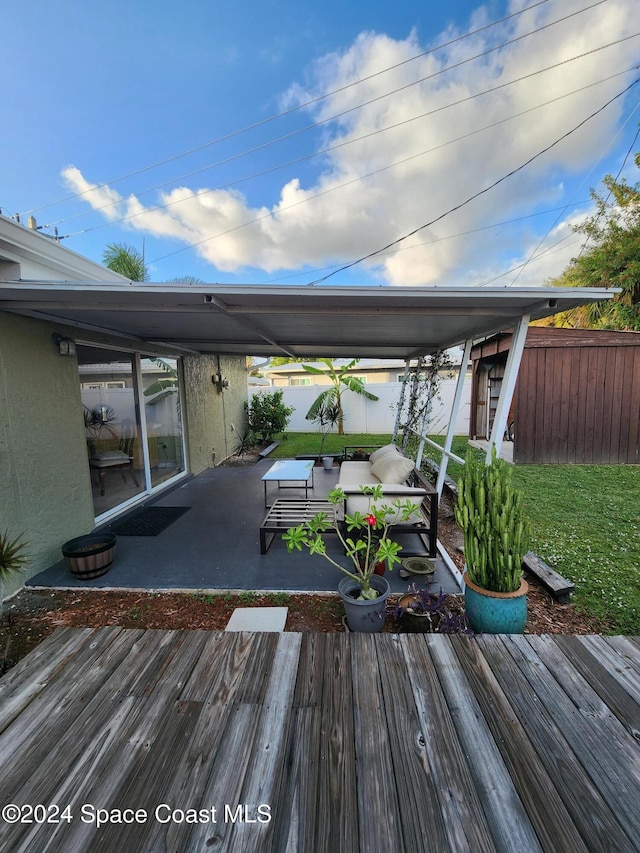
point(328, 216)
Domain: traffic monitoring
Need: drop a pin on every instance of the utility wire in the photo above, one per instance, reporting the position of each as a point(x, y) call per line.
point(319, 195)
point(616, 179)
point(339, 145)
point(297, 108)
point(480, 192)
point(533, 254)
point(434, 240)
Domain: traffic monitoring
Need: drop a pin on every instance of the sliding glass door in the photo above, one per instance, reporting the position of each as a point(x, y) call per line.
point(162, 410)
point(133, 424)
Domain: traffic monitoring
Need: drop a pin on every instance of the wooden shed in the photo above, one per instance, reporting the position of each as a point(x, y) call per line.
point(577, 396)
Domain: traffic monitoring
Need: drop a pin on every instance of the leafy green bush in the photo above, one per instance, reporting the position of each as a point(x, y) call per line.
point(268, 415)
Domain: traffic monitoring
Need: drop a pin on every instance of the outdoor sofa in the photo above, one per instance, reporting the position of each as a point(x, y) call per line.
point(400, 480)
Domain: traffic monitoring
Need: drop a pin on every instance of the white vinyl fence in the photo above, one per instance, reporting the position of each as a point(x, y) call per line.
point(372, 416)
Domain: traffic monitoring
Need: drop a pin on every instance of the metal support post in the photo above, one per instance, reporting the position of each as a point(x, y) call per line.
point(508, 386)
point(453, 415)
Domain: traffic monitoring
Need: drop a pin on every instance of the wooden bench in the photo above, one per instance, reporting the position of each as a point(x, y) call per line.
point(558, 586)
point(285, 513)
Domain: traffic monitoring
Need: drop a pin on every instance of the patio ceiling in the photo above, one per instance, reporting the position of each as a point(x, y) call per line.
point(266, 320)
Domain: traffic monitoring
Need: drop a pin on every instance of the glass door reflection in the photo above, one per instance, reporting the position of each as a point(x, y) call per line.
point(161, 395)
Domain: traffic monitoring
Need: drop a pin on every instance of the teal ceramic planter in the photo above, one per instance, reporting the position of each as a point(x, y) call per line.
point(495, 612)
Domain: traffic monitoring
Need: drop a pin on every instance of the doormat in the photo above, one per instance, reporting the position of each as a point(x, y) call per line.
point(150, 521)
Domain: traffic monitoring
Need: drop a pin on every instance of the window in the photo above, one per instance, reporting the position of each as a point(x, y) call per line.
point(300, 380)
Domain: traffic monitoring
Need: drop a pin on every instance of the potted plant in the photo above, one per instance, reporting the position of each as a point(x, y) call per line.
point(90, 556)
point(489, 510)
point(421, 611)
point(12, 560)
point(326, 415)
point(363, 592)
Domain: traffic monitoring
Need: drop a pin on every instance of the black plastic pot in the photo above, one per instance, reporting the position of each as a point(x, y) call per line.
point(90, 556)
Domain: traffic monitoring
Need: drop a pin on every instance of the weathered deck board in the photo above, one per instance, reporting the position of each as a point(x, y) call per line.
point(599, 829)
point(355, 743)
point(455, 809)
point(598, 668)
point(338, 784)
point(547, 812)
point(505, 812)
point(598, 740)
point(374, 744)
point(419, 813)
point(295, 823)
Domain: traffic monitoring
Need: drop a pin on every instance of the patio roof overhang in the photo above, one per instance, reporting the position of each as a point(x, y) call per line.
point(267, 320)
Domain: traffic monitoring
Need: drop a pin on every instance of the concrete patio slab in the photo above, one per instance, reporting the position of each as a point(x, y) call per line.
point(216, 545)
point(258, 619)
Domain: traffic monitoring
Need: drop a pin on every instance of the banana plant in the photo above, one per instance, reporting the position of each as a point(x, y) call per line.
point(340, 381)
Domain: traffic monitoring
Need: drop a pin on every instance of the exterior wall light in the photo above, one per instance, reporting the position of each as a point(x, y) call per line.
point(66, 346)
point(219, 381)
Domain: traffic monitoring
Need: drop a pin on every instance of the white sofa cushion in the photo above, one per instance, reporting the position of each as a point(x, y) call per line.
point(355, 474)
point(392, 468)
point(382, 451)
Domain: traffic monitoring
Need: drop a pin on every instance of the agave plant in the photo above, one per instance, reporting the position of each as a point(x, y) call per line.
point(13, 559)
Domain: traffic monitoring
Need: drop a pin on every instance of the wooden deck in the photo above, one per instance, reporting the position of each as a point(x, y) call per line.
point(333, 742)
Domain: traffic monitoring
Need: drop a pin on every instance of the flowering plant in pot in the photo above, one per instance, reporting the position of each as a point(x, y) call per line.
point(490, 513)
point(370, 546)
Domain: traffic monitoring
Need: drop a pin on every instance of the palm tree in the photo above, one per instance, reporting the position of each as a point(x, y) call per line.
point(126, 260)
point(333, 395)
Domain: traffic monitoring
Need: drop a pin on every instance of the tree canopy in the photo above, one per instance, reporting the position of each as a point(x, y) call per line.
point(125, 260)
point(611, 258)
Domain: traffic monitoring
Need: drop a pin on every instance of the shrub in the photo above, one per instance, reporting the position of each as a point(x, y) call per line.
point(267, 414)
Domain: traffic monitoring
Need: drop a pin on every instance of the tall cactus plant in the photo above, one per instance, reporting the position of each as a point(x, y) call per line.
point(489, 511)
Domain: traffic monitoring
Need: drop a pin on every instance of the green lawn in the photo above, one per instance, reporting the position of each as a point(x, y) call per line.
point(293, 444)
point(585, 522)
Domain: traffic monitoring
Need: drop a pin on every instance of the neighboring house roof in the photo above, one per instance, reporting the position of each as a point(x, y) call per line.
point(398, 322)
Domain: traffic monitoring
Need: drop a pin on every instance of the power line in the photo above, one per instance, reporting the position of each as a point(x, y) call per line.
point(532, 255)
point(342, 144)
point(297, 108)
point(480, 192)
point(318, 194)
point(434, 240)
point(616, 179)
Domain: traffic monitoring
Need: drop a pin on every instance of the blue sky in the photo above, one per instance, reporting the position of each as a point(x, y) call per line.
point(401, 132)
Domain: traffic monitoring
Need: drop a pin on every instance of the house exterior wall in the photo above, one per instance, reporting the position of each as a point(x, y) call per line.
point(45, 492)
point(288, 375)
point(45, 489)
point(213, 418)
